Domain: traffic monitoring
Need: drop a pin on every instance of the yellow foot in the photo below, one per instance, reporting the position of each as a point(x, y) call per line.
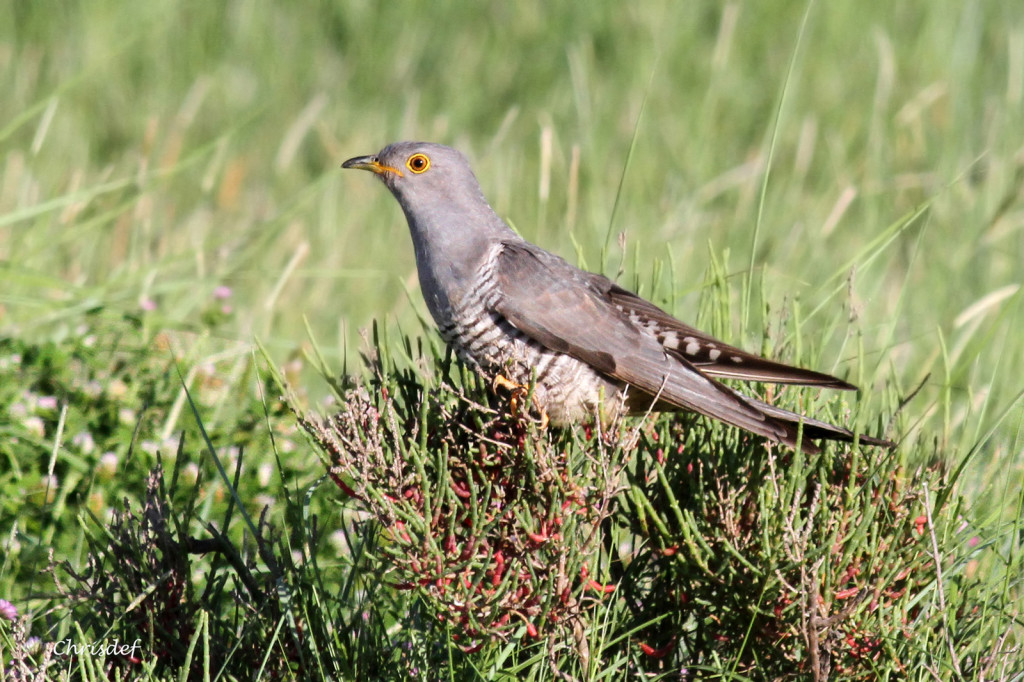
point(501, 381)
point(518, 393)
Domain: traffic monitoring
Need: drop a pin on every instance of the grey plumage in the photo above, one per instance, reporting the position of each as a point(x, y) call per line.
point(509, 308)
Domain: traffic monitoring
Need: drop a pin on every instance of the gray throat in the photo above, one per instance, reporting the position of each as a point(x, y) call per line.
point(452, 250)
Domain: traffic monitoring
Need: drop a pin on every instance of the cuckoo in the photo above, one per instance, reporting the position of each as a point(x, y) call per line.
point(586, 347)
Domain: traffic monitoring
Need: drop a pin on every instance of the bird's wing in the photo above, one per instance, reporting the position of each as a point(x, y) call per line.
point(710, 355)
point(564, 309)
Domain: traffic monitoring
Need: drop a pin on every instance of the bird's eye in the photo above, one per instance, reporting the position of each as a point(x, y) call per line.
point(418, 163)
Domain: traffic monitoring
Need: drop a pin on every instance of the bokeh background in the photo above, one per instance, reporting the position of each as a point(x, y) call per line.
point(854, 169)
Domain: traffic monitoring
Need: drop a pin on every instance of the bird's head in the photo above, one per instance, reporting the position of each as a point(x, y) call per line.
point(422, 174)
point(438, 192)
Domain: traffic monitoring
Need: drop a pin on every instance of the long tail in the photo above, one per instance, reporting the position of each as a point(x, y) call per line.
point(813, 429)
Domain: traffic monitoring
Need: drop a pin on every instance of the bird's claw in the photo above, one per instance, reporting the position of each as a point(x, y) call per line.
point(501, 381)
point(518, 393)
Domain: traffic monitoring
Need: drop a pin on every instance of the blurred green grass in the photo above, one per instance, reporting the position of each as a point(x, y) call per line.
point(153, 152)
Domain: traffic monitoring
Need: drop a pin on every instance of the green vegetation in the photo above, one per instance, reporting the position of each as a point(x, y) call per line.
point(839, 188)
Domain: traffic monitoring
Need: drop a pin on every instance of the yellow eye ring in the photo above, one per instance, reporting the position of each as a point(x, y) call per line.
point(418, 163)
